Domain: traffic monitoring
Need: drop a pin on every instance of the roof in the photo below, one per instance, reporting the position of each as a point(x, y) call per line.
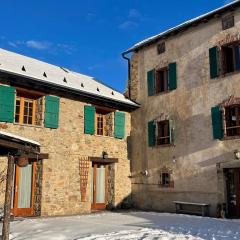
point(183, 26)
point(17, 138)
point(47, 73)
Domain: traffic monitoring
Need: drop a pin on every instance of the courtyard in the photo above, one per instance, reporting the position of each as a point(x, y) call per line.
point(126, 225)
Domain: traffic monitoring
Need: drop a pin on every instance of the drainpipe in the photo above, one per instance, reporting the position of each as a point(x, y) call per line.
point(129, 73)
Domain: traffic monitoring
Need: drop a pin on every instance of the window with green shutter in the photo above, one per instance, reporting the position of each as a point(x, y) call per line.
point(89, 119)
point(7, 99)
point(151, 82)
point(172, 76)
point(214, 62)
point(119, 125)
point(51, 116)
point(217, 122)
point(151, 134)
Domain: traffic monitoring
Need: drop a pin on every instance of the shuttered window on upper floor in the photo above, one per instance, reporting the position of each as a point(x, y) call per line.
point(162, 80)
point(224, 60)
point(102, 122)
point(160, 132)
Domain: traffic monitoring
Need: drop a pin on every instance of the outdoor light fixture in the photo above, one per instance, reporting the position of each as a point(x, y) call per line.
point(237, 154)
point(104, 155)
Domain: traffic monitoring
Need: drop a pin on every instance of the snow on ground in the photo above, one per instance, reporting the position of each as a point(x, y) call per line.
point(126, 226)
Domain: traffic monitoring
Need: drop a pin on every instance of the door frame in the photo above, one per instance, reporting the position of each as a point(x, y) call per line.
point(236, 176)
point(94, 205)
point(23, 212)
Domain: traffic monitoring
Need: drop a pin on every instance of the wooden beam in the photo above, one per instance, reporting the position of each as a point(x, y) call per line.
point(8, 197)
point(103, 160)
point(40, 156)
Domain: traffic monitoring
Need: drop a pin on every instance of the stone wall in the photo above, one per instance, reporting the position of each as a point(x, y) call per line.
point(195, 157)
point(65, 145)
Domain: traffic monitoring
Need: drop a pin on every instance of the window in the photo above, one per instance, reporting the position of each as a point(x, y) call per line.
point(232, 117)
point(227, 22)
point(103, 122)
point(25, 111)
point(100, 118)
point(28, 108)
point(163, 130)
point(161, 80)
point(230, 58)
point(166, 178)
point(161, 48)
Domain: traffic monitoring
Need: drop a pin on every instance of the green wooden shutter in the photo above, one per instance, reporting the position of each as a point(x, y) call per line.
point(51, 116)
point(172, 76)
point(151, 134)
point(119, 125)
point(89, 120)
point(7, 100)
point(151, 82)
point(214, 61)
point(217, 123)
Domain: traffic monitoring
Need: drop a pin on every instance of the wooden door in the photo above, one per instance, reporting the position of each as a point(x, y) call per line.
point(23, 191)
point(233, 192)
point(98, 186)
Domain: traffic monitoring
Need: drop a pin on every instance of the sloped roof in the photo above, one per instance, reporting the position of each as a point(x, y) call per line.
point(182, 26)
point(18, 138)
point(47, 73)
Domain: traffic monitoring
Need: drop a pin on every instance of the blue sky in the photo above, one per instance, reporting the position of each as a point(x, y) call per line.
point(89, 36)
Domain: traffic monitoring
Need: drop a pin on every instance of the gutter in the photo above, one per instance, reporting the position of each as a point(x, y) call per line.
point(129, 74)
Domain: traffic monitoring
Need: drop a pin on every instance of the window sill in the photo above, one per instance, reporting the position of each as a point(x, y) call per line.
point(230, 138)
point(26, 125)
point(102, 136)
point(160, 93)
point(165, 145)
point(225, 75)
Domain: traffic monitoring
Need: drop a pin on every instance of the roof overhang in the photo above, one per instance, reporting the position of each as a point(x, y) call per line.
point(14, 145)
point(184, 26)
point(17, 79)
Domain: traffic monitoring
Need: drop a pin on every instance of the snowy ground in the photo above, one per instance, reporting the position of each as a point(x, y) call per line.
point(126, 226)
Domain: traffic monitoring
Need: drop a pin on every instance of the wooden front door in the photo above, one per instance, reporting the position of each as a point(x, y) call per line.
point(23, 190)
point(98, 186)
point(233, 192)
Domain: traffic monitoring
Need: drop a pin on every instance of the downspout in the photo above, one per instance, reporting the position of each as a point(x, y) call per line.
point(129, 72)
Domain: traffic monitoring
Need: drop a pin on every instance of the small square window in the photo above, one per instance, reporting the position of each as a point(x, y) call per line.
point(165, 179)
point(161, 48)
point(227, 22)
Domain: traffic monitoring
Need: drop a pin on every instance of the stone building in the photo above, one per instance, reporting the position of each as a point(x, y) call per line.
point(186, 134)
point(79, 128)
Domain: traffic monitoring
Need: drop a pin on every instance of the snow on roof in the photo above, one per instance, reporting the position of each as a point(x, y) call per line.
point(41, 71)
point(182, 25)
point(16, 137)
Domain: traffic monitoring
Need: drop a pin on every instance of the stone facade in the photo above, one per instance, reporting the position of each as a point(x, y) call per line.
point(59, 189)
point(195, 158)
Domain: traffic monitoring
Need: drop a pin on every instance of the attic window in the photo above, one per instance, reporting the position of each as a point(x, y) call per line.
point(161, 48)
point(23, 69)
point(98, 90)
point(227, 22)
point(44, 74)
point(82, 85)
point(65, 80)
